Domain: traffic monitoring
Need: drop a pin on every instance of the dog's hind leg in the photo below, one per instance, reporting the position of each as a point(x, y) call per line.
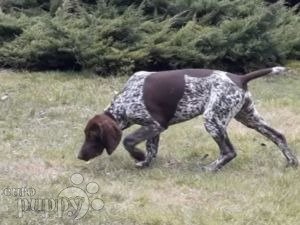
point(222, 107)
point(216, 120)
point(227, 151)
point(251, 118)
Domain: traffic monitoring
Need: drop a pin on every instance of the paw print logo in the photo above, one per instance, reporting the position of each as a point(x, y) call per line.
point(75, 201)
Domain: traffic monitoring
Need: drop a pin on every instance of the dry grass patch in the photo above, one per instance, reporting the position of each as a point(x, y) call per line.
point(41, 129)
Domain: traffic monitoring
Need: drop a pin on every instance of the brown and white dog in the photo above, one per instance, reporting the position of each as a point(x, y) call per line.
point(156, 100)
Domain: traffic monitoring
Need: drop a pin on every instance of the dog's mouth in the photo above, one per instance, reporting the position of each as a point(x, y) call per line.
point(87, 158)
point(81, 157)
point(90, 151)
point(89, 161)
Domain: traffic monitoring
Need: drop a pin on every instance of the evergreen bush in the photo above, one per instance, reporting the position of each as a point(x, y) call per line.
point(118, 37)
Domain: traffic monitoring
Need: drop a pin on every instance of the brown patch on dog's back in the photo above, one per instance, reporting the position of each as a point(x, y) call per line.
point(163, 90)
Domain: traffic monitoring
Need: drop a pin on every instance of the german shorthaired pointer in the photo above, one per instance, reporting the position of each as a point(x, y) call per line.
point(156, 100)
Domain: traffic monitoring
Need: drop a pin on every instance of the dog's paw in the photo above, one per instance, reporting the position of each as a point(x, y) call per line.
point(142, 164)
point(209, 168)
point(293, 163)
point(139, 156)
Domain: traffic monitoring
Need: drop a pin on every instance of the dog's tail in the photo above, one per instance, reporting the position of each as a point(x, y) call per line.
point(260, 73)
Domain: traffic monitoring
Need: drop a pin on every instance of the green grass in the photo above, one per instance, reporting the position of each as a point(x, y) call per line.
point(41, 130)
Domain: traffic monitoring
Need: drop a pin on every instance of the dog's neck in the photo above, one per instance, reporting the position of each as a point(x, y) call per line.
point(116, 114)
point(109, 114)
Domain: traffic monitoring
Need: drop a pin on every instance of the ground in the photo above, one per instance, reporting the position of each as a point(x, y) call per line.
point(42, 116)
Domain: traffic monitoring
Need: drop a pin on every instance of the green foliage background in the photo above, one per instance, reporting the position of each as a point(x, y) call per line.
point(117, 37)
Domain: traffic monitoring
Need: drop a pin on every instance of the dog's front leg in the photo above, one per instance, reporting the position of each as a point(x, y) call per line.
point(151, 148)
point(146, 133)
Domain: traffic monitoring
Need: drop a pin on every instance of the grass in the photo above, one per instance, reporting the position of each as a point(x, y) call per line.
point(42, 116)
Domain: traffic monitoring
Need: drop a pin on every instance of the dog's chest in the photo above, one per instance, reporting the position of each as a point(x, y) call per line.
point(130, 103)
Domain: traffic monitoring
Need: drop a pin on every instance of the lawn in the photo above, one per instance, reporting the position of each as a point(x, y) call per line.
point(42, 117)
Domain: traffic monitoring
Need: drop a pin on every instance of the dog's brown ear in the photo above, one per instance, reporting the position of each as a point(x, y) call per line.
point(110, 135)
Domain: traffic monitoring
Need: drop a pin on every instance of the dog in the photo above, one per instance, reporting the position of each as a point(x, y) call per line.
point(156, 100)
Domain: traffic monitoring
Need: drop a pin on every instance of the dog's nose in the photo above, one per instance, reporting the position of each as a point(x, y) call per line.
point(81, 157)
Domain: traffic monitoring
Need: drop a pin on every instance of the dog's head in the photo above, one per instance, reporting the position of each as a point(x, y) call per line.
point(100, 132)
